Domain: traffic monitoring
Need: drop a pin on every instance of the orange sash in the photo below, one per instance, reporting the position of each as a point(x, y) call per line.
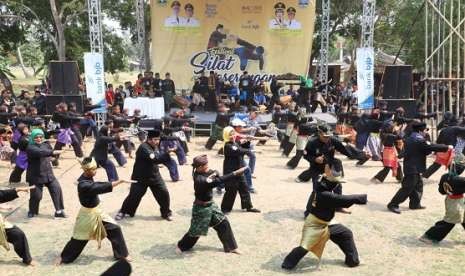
point(445, 158)
point(390, 159)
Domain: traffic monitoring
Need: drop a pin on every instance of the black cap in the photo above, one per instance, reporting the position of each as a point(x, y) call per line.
point(175, 3)
point(219, 26)
point(279, 6)
point(155, 133)
point(291, 9)
point(418, 126)
point(189, 6)
point(38, 122)
point(324, 130)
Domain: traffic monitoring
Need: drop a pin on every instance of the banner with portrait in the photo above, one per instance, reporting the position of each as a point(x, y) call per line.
point(365, 77)
point(263, 37)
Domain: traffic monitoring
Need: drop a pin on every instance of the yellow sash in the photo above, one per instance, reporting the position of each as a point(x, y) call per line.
point(3, 239)
point(315, 234)
point(89, 225)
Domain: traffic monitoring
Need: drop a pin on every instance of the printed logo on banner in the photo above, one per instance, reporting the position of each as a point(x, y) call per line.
point(365, 78)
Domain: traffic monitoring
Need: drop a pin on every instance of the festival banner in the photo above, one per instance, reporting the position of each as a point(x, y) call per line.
point(365, 77)
point(95, 79)
point(263, 37)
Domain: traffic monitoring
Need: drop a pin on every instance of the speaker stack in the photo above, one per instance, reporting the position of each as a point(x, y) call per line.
point(64, 85)
point(397, 88)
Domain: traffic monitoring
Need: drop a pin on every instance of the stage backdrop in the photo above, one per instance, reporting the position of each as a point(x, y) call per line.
point(263, 37)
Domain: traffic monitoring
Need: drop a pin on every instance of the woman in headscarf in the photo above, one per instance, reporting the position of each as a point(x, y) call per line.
point(234, 160)
point(92, 223)
point(205, 212)
point(40, 173)
point(10, 233)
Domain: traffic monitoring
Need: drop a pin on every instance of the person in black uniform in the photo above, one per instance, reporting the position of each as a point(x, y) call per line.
point(306, 130)
point(449, 135)
point(40, 174)
point(92, 223)
point(318, 229)
point(205, 212)
point(12, 234)
point(147, 175)
point(65, 135)
point(100, 152)
point(453, 187)
point(416, 150)
point(234, 160)
point(391, 153)
point(221, 121)
point(21, 158)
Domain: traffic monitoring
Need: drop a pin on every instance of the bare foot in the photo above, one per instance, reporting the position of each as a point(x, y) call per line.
point(32, 263)
point(236, 251)
point(178, 250)
point(344, 211)
point(58, 261)
point(128, 259)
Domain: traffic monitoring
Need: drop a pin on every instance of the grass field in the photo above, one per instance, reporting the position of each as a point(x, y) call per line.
point(387, 243)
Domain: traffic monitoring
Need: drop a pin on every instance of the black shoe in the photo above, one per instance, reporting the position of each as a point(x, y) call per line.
point(55, 162)
point(394, 209)
point(419, 207)
point(60, 215)
point(30, 215)
point(253, 210)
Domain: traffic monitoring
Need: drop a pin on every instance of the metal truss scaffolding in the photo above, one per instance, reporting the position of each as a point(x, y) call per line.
point(140, 16)
point(368, 23)
point(444, 56)
point(324, 49)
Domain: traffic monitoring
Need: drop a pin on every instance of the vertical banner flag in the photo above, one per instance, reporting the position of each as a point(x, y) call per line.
point(365, 77)
point(95, 80)
point(262, 37)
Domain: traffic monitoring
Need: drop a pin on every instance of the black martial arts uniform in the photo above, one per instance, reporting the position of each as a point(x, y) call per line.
point(447, 136)
point(100, 153)
point(40, 173)
point(416, 150)
point(14, 235)
point(221, 121)
point(147, 175)
point(66, 121)
point(205, 213)
point(453, 187)
point(322, 209)
point(88, 192)
point(234, 160)
point(389, 141)
point(306, 130)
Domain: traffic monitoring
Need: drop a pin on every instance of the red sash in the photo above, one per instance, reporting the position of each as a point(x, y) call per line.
point(390, 159)
point(445, 158)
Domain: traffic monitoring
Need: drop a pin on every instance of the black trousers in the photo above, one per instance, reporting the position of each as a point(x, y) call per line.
point(284, 141)
point(382, 174)
point(440, 230)
point(78, 134)
point(225, 234)
point(232, 186)
point(16, 237)
point(74, 247)
point(127, 145)
point(210, 143)
point(16, 174)
point(56, 194)
point(138, 190)
point(287, 148)
point(74, 143)
point(412, 188)
point(294, 162)
point(340, 235)
point(431, 170)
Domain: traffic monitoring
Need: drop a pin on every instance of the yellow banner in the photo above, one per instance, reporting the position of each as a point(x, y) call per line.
point(263, 37)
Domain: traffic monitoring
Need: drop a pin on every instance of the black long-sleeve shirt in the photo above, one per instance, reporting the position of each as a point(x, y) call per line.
point(146, 165)
point(65, 119)
point(233, 157)
point(39, 170)
point(448, 135)
point(88, 191)
point(325, 202)
point(316, 148)
point(416, 150)
point(203, 186)
point(222, 119)
point(8, 195)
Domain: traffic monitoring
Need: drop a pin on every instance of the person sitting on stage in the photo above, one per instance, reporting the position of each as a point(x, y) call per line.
point(92, 223)
point(318, 229)
point(10, 233)
point(205, 212)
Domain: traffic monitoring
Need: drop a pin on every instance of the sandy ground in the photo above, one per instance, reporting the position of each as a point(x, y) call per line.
point(387, 243)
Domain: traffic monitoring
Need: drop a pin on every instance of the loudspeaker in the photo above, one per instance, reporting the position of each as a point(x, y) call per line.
point(52, 100)
point(409, 105)
point(397, 82)
point(64, 77)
